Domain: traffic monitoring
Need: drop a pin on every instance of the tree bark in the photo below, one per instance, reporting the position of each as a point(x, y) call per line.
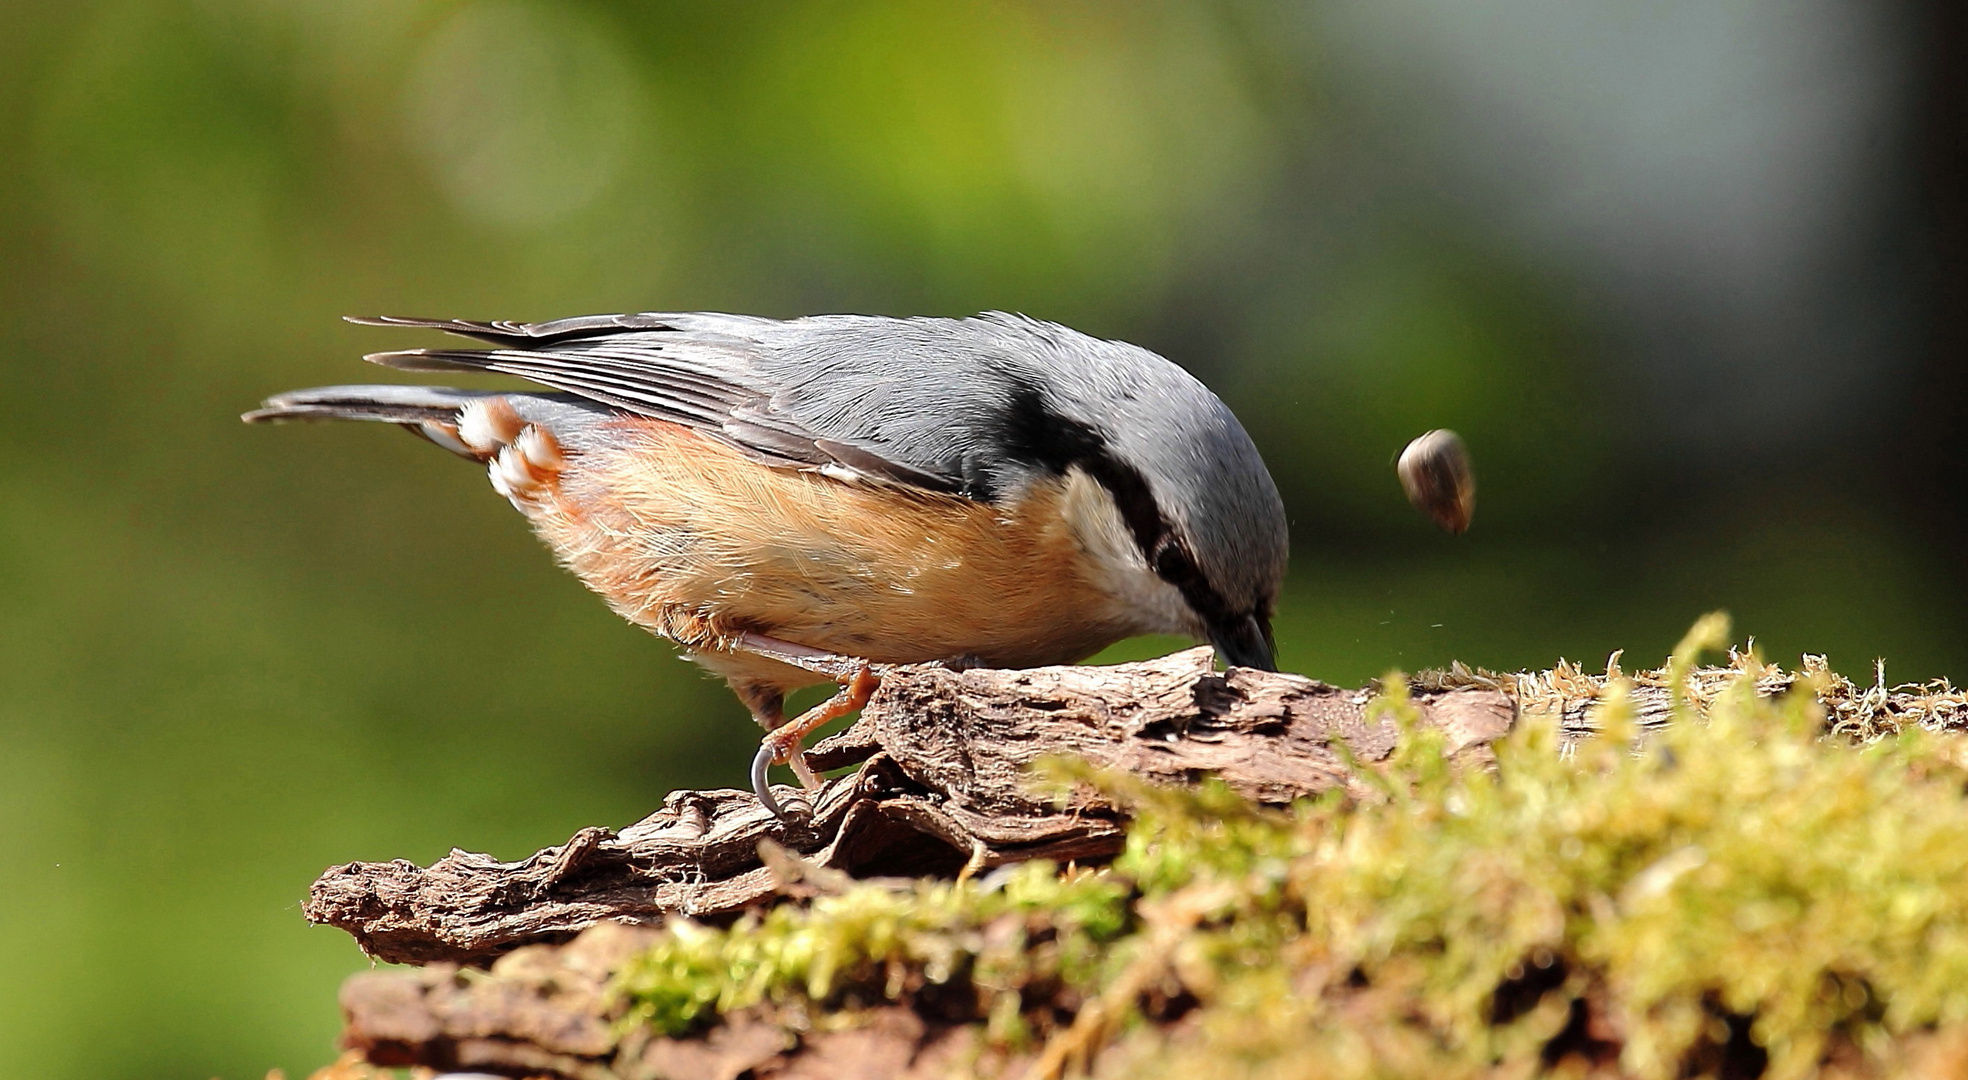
point(942, 782)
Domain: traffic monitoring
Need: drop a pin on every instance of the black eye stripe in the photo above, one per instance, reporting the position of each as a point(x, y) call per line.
point(1175, 565)
point(1038, 436)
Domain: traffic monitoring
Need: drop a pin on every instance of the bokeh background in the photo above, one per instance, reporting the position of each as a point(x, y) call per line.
point(1688, 275)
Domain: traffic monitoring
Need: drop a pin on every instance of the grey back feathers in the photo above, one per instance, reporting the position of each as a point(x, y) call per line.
point(978, 407)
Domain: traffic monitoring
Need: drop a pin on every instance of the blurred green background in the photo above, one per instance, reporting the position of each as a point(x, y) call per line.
point(1687, 276)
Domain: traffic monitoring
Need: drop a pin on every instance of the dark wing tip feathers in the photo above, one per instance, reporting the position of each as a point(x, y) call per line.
point(519, 335)
point(497, 332)
point(870, 463)
point(430, 360)
point(501, 327)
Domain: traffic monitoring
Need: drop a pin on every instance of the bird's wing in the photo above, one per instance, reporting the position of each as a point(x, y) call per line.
point(761, 385)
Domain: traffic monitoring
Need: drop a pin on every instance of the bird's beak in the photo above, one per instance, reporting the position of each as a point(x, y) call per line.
point(1245, 641)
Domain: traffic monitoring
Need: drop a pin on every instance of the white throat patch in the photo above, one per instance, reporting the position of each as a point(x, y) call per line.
point(1153, 605)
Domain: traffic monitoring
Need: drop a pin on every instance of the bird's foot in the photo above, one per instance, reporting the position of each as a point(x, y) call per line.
point(782, 744)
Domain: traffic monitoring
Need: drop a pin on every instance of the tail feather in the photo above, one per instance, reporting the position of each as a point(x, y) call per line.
point(432, 413)
point(473, 424)
point(389, 404)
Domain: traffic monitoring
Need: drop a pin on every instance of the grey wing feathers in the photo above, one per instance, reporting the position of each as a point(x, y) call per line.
point(528, 335)
point(721, 374)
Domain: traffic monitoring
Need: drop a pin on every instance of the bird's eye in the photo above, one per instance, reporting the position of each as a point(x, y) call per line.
point(1170, 559)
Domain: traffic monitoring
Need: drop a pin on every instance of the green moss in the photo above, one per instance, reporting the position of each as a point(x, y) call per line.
point(1739, 895)
point(1030, 926)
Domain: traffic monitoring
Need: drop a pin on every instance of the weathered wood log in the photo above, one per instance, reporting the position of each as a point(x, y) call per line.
point(544, 1011)
point(942, 782)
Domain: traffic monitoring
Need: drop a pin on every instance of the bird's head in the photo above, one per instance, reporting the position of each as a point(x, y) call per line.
point(1166, 491)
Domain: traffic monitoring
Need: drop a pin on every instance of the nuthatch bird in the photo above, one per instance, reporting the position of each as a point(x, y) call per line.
point(804, 501)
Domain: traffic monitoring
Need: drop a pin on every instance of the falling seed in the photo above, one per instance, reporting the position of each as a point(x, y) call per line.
point(1435, 472)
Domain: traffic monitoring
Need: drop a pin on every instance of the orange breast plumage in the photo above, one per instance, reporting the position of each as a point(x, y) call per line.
point(690, 538)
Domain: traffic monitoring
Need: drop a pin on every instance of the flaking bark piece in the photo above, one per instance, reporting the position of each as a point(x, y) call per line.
point(942, 782)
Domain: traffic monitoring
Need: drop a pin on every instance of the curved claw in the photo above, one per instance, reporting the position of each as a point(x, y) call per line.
point(783, 742)
point(760, 786)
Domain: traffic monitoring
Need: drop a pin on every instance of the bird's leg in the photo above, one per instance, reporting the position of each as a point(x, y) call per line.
point(833, 665)
point(782, 744)
point(857, 680)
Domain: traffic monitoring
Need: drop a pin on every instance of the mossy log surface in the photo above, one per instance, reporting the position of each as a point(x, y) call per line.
point(942, 783)
point(544, 1011)
point(536, 968)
